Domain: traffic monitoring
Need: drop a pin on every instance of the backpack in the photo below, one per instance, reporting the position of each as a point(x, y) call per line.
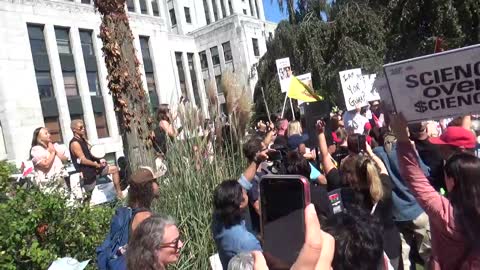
point(110, 253)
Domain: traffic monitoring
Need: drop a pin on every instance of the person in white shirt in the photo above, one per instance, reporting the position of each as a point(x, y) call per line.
point(47, 158)
point(354, 121)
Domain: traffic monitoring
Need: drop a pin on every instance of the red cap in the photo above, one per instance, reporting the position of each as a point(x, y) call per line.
point(456, 136)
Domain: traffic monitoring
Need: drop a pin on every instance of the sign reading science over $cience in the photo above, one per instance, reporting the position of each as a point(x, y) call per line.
point(436, 86)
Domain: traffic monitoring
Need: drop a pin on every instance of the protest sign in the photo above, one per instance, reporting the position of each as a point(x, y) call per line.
point(307, 80)
point(353, 88)
point(436, 86)
point(381, 86)
point(370, 90)
point(284, 73)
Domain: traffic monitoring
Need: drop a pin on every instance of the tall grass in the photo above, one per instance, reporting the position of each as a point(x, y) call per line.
point(196, 165)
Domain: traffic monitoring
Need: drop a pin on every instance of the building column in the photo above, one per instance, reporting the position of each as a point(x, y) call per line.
point(58, 83)
point(175, 97)
point(260, 11)
point(210, 10)
point(221, 55)
point(219, 9)
point(161, 10)
point(188, 78)
point(227, 8)
point(82, 82)
point(254, 8)
point(149, 7)
point(112, 124)
point(200, 84)
point(136, 4)
point(180, 15)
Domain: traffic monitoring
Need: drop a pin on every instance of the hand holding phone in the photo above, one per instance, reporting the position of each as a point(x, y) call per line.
point(320, 126)
point(282, 201)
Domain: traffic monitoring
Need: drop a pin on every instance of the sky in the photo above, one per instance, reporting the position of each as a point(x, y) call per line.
point(272, 12)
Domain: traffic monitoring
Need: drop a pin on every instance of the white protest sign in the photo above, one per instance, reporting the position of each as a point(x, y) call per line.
point(436, 86)
point(307, 80)
point(381, 86)
point(284, 73)
point(370, 90)
point(353, 88)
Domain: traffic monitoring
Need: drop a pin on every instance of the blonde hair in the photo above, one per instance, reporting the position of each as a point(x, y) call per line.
point(368, 172)
point(294, 128)
point(74, 123)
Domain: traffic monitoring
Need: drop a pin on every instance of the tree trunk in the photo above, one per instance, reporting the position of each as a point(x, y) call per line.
point(125, 84)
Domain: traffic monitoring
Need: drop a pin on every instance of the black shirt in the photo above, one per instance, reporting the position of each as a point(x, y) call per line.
point(89, 173)
point(430, 155)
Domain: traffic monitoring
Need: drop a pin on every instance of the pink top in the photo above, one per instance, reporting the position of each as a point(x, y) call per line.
point(448, 242)
point(40, 153)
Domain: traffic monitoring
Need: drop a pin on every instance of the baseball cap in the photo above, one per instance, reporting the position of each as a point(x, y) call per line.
point(144, 174)
point(456, 136)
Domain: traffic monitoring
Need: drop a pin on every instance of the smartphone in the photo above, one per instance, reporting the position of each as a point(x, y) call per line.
point(362, 143)
point(283, 199)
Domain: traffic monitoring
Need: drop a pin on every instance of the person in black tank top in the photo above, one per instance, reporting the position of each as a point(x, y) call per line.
point(85, 163)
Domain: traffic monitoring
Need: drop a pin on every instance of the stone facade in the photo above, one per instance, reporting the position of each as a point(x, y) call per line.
point(179, 32)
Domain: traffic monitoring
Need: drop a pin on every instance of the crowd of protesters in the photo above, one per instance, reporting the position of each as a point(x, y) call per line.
point(410, 193)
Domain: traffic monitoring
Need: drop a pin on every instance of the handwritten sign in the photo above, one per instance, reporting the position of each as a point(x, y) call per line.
point(284, 73)
point(353, 88)
point(436, 86)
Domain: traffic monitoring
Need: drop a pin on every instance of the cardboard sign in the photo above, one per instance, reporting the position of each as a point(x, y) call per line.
point(353, 88)
point(307, 80)
point(371, 91)
point(436, 86)
point(284, 73)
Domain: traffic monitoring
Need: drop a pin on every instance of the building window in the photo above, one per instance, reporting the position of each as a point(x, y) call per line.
point(227, 51)
point(70, 82)
point(173, 19)
point(87, 42)
point(86, 2)
point(53, 126)
point(44, 83)
point(244, 12)
point(230, 6)
point(193, 76)
point(203, 59)
point(40, 61)
point(101, 124)
point(251, 8)
point(256, 8)
point(130, 6)
point(143, 7)
point(63, 40)
point(214, 7)
point(188, 17)
point(222, 6)
point(215, 56)
point(256, 51)
point(207, 14)
point(155, 10)
point(218, 80)
point(93, 83)
point(147, 63)
point(66, 60)
point(181, 74)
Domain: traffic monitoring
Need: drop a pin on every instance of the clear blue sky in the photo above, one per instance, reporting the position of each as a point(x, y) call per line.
point(272, 12)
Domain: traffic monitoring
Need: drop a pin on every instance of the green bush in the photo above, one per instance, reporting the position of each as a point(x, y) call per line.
point(37, 228)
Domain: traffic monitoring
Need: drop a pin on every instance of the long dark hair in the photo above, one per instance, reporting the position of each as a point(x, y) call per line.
point(34, 140)
point(227, 198)
point(464, 168)
point(141, 195)
point(162, 113)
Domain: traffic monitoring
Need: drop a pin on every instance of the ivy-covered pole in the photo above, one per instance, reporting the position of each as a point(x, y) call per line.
point(125, 84)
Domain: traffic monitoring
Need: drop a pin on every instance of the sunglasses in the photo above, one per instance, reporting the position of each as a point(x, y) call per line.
point(174, 244)
point(81, 128)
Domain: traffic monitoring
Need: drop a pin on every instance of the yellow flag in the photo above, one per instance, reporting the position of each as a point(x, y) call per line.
point(300, 91)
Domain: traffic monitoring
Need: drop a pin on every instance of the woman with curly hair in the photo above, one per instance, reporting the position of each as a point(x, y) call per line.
point(155, 244)
point(229, 231)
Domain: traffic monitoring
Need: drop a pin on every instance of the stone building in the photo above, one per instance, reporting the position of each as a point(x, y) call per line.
point(52, 69)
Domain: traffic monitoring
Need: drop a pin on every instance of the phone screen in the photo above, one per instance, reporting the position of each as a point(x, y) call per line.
point(282, 202)
point(362, 143)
